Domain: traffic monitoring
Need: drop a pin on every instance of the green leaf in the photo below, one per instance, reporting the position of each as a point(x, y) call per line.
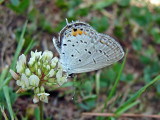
point(118, 32)
point(81, 12)
point(102, 4)
point(155, 32)
point(21, 8)
point(141, 15)
point(45, 24)
point(60, 26)
point(88, 105)
point(15, 2)
point(100, 25)
point(1, 1)
point(137, 44)
point(145, 60)
point(33, 14)
point(62, 4)
point(37, 113)
point(123, 3)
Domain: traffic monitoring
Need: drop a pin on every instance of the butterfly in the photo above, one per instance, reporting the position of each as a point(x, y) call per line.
point(83, 49)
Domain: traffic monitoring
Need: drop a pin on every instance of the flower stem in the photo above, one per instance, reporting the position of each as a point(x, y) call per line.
point(41, 110)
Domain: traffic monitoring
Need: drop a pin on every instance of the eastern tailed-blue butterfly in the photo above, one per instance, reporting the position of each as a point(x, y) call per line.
point(83, 49)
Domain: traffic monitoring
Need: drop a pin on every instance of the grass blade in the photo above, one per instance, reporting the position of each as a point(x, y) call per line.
point(98, 82)
point(127, 108)
point(18, 50)
point(3, 74)
point(30, 46)
point(137, 94)
point(7, 97)
point(116, 82)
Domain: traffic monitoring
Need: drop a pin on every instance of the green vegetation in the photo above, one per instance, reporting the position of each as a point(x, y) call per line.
point(116, 89)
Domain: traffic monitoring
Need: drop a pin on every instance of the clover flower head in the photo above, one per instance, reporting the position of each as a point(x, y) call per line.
point(41, 70)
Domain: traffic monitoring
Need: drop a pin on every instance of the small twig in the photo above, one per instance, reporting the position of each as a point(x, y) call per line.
point(122, 115)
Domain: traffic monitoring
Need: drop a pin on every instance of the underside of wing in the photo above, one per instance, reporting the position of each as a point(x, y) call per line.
point(105, 51)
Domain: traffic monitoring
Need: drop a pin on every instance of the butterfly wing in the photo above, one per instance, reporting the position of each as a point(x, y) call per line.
point(88, 51)
point(105, 51)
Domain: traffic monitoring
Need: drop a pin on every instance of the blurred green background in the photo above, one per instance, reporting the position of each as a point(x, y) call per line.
point(135, 24)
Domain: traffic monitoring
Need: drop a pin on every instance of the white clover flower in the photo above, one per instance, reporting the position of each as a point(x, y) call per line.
point(61, 79)
point(51, 73)
point(31, 61)
point(22, 58)
point(39, 63)
point(39, 72)
point(47, 55)
point(42, 89)
point(54, 62)
point(48, 67)
point(42, 70)
point(59, 74)
point(19, 67)
point(18, 82)
point(36, 90)
point(55, 59)
point(21, 63)
point(34, 80)
point(14, 75)
point(24, 81)
point(60, 65)
point(35, 99)
point(28, 72)
point(43, 97)
point(36, 54)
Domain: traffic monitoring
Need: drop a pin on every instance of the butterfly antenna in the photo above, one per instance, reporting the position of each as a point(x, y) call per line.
point(67, 21)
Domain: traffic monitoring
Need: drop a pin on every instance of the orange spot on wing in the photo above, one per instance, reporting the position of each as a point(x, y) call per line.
point(74, 33)
point(102, 41)
point(80, 32)
point(85, 33)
